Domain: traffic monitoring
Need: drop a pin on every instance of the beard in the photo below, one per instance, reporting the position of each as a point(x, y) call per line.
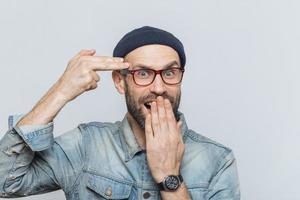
point(135, 107)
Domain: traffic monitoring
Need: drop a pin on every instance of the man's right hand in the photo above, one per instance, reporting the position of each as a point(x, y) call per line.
point(81, 73)
point(79, 76)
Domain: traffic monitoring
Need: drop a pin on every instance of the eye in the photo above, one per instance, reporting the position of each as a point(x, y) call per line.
point(142, 73)
point(170, 73)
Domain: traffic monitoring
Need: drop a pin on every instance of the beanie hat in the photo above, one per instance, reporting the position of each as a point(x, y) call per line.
point(145, 36)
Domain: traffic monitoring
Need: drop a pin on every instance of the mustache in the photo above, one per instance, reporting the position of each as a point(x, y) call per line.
point(151, 97)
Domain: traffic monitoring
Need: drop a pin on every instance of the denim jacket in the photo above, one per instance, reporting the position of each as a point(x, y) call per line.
point(104, 161)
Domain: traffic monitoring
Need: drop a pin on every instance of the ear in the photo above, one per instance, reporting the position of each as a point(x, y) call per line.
point(119, 81)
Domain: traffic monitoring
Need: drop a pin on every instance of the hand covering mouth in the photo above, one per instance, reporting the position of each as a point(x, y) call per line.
point(148, 105)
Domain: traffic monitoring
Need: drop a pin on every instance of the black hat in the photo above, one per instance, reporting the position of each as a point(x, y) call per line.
point(145, 36)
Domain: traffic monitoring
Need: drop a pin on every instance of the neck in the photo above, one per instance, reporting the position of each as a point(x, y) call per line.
point(138, 132)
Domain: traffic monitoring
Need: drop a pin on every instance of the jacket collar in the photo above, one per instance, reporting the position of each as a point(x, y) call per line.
point(129, 142)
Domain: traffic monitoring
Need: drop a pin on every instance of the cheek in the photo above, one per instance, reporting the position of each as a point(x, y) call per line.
point(135, 94)
point(174, 91)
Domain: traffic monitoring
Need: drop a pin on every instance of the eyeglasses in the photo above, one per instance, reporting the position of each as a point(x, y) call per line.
point(145, 77)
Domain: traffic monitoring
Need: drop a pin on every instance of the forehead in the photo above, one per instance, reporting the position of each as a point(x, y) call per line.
point(155, 56)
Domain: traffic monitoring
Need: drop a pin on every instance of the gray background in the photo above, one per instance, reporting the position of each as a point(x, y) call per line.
point(240, 87)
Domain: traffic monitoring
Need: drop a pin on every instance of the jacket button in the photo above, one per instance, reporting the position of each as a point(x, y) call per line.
point(11, 177)
point(2, 194)
point(146, 195)
point(108, 191)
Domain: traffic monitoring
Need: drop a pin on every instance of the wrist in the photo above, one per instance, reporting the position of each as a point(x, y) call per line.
point(59, 94)
point(59, 98)
point(45, 110)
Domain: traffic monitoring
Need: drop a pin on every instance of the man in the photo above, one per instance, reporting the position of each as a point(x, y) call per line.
point(151, 154)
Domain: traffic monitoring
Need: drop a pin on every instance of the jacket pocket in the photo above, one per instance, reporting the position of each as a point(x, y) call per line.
point(198, 190)
point(108, 188)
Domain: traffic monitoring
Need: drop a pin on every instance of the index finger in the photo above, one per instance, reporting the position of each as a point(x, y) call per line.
point(102, 58)
point(148, 127)
point(103, 65)
point(110, 66)
point(170, 115)
point(107, 63)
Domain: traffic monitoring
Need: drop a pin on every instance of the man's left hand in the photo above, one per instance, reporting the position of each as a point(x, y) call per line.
point(164, 144)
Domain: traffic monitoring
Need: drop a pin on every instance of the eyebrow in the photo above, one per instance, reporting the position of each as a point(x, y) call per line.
point(143, 66)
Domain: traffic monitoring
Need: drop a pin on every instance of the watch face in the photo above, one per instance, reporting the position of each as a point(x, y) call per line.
point(171, 182)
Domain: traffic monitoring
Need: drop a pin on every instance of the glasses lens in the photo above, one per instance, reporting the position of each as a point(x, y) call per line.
point(172, 75)
point(144, 76)
point(169, 76)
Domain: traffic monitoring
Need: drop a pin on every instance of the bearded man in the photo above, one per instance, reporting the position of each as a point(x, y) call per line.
point(150, 154)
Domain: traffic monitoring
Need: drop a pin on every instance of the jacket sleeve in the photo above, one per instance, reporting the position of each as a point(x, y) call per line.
point(33, 162)
point(225, 183)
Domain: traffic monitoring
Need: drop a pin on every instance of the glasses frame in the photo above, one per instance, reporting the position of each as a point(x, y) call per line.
point(128, 71)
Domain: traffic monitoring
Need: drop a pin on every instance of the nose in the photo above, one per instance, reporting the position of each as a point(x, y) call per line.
point(158, 86)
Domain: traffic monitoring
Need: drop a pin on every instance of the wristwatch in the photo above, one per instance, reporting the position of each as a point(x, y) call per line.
point(170, 183)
